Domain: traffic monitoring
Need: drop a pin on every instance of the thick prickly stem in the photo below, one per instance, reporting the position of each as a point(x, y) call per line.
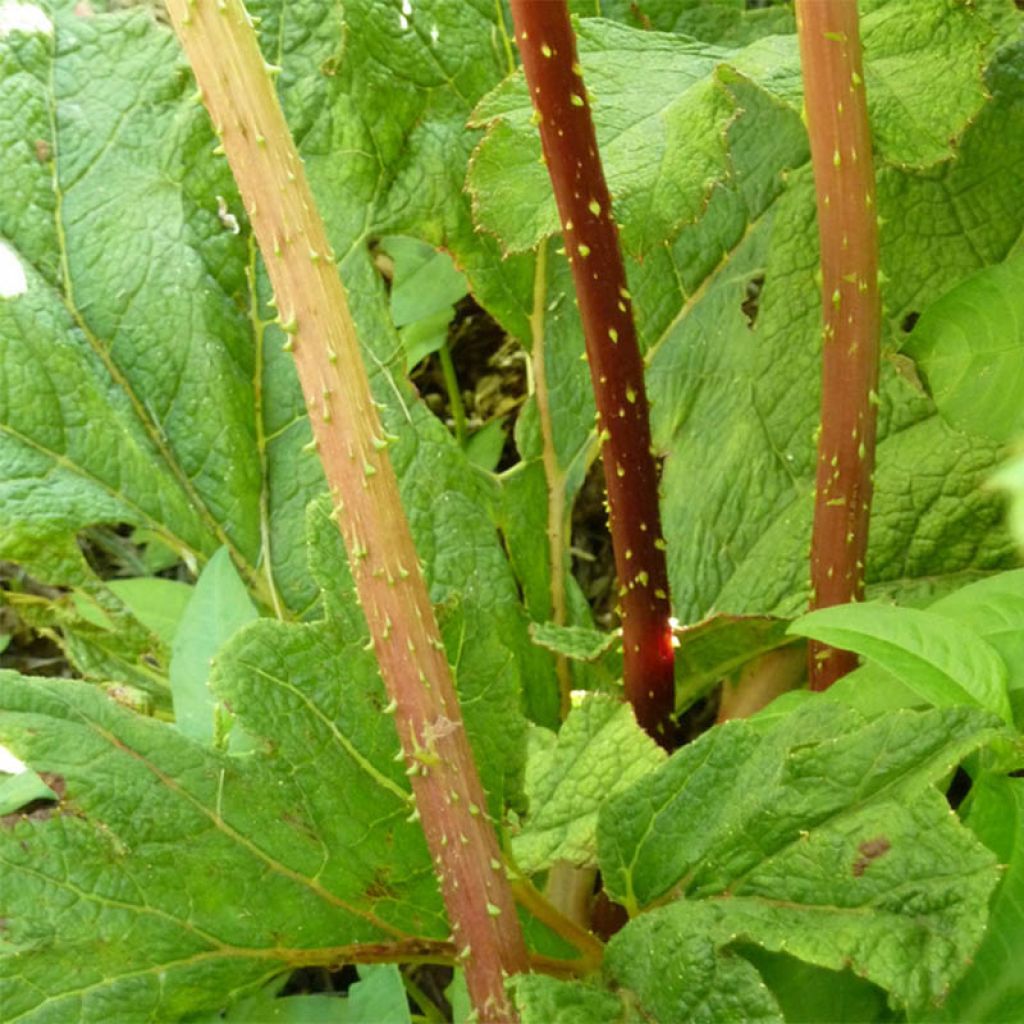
point(555, 79)
point(240, 95)
point(837, 121)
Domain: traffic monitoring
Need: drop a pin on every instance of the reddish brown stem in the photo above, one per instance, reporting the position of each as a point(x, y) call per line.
point(544, 34)
point(837, 122)
point(238, 91)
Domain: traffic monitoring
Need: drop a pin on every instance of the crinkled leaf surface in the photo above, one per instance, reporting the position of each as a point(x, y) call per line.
point(825, 836)
point(576, 642)
point(736, 399)
point(674, 967)
point(599, 751)
point(543, 1000)
point(714, 21)
point(664, 967)
point(907, 49)
point(730, 313)
point(126, 335)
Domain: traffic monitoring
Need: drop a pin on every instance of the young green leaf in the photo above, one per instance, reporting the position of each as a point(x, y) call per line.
point(942, 661)
point(968, 347)
point(157, 603)
point(424, 289)
point(425, 281)
point(994, 609)
point(219, 606)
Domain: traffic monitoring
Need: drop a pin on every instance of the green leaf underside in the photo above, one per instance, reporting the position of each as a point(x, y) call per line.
point(936, 657)
point(599, 751)
point(719, 647)
point(826, 837)
point(575, 642)
point(218, 456)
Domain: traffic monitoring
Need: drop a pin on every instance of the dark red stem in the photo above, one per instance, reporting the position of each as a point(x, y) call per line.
point(555, 79)
point(837, 122)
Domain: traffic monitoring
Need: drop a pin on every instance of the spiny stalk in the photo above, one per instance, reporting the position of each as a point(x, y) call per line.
point(837, 122)
point(547, 44)
point(238, 91)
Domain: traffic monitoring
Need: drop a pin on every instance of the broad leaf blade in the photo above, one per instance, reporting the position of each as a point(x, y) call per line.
point(671, 961)
point(544, 1000)
point(640, 121)
point(821, 835)
point(758, 790)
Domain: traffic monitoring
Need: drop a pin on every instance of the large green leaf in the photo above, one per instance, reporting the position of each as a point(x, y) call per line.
point(642, 121)
point(821, 835)
point(167, 399)
point(127, 334)
point(736, 402)
point(171, 876)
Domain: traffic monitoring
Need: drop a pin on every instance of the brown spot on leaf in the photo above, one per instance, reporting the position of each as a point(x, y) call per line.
point(43, 150)
point(870, 850)
point(379, 888)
